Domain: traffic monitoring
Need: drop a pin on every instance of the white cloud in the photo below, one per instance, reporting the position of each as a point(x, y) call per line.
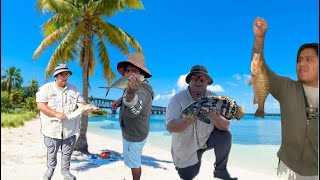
point(182, 82)
point(242, 78)
point(215, 88)
point(247, 77)
point(157, 97)
point(237, 76)
point(231, 83)
point(165, 96)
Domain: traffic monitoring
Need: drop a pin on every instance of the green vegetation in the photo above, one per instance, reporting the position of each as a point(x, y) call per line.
point(16, 118)
point(14, 96)
point(97, 113)
point(11, 80)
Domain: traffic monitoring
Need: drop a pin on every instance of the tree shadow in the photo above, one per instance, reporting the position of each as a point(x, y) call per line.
point(91, 161)
point(153, 162)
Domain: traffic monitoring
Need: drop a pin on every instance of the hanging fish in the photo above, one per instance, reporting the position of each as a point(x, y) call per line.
point(260, 82)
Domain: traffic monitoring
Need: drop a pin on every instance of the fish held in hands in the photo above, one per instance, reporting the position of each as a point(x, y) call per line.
point(260, 82)
point(121, 83)
point(201, 108)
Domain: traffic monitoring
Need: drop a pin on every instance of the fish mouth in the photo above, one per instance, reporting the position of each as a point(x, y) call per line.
point(240, 112)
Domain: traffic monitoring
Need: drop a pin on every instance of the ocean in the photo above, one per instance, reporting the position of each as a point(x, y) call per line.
point(248, 131)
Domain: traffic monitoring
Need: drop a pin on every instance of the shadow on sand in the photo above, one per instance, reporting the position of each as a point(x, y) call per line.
point(90, 161)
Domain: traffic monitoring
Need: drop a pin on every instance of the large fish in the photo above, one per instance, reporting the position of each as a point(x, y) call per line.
point(228, 107)
point(121, 83)
point(260, 82)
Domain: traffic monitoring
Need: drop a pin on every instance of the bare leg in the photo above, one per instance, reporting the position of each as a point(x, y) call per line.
point(136, 173)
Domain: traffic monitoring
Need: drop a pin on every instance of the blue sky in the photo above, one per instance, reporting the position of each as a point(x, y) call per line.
point(176, 35)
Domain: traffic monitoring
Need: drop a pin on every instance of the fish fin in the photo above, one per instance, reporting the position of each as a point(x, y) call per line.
point(259, 113)
point(107, 89)
point(255, 100)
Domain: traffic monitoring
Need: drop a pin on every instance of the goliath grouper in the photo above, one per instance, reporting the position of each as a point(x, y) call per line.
point(228, 108)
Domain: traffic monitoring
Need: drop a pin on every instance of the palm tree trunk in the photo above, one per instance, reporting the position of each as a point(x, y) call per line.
point(9, 93)
point(82, 143)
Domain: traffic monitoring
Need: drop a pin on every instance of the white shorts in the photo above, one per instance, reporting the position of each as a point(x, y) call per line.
point(132, 152)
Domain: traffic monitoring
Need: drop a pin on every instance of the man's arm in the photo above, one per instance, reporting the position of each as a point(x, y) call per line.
point(260, 29)
point(219, 121)
point(276, 82)
point(42, 106)
point(178, 125)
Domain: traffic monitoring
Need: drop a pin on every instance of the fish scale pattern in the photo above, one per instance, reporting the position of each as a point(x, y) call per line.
point(201, 108)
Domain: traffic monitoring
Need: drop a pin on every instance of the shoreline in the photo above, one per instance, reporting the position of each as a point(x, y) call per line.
point(23, 151)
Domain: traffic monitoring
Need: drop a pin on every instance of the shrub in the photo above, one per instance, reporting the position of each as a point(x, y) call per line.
point(98, 113)
point(16, 118)
point(30, 104)
point(4, 101)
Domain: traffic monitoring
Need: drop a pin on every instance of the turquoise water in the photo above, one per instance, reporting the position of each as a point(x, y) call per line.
point(248, 131)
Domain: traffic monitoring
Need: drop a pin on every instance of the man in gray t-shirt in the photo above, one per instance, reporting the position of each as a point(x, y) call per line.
point(190, 137)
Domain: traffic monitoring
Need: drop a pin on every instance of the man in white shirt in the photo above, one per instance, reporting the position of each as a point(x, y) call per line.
point(56, 100)
point(190, 137)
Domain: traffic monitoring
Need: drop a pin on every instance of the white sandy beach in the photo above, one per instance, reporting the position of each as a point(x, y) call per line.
point(23, 156)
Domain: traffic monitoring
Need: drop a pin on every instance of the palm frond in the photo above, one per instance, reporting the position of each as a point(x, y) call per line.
point(56, 22)
point(132, 4)
point(56, 7)
point(112, 35)
point(112, 7)
point(108, 74)
point(64, 50)
point(126, 37)
point(51, 39)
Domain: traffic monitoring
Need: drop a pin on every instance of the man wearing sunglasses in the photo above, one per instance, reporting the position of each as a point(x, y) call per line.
point(58, 99)
point(299, 104)
point(191, 137)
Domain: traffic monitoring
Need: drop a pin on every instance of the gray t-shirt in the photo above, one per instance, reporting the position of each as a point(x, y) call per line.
point(185, 144)
point(134, 117)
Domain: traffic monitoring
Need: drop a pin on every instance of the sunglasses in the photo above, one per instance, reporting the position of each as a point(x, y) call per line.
point(64, 74)
point(201, 78)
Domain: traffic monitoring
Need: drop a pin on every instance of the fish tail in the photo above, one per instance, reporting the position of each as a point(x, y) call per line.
point(107, 89)
point(259, 113)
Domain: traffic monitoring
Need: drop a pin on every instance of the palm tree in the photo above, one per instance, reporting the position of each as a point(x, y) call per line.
point(80, 29)
point(14, 80)
point(33, 87)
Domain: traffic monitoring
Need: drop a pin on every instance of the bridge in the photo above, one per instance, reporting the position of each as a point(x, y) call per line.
point(107, 103)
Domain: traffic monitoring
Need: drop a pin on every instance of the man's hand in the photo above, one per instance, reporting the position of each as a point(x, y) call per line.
point(178, 125)
point(218, 121)
point(260, 27)
point(116, 104)
point(61, 116)
point(134, 85)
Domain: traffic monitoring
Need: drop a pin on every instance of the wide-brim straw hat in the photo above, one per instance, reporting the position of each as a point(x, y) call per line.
point(61, 68)
point(137, 60)
point(199, 69)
